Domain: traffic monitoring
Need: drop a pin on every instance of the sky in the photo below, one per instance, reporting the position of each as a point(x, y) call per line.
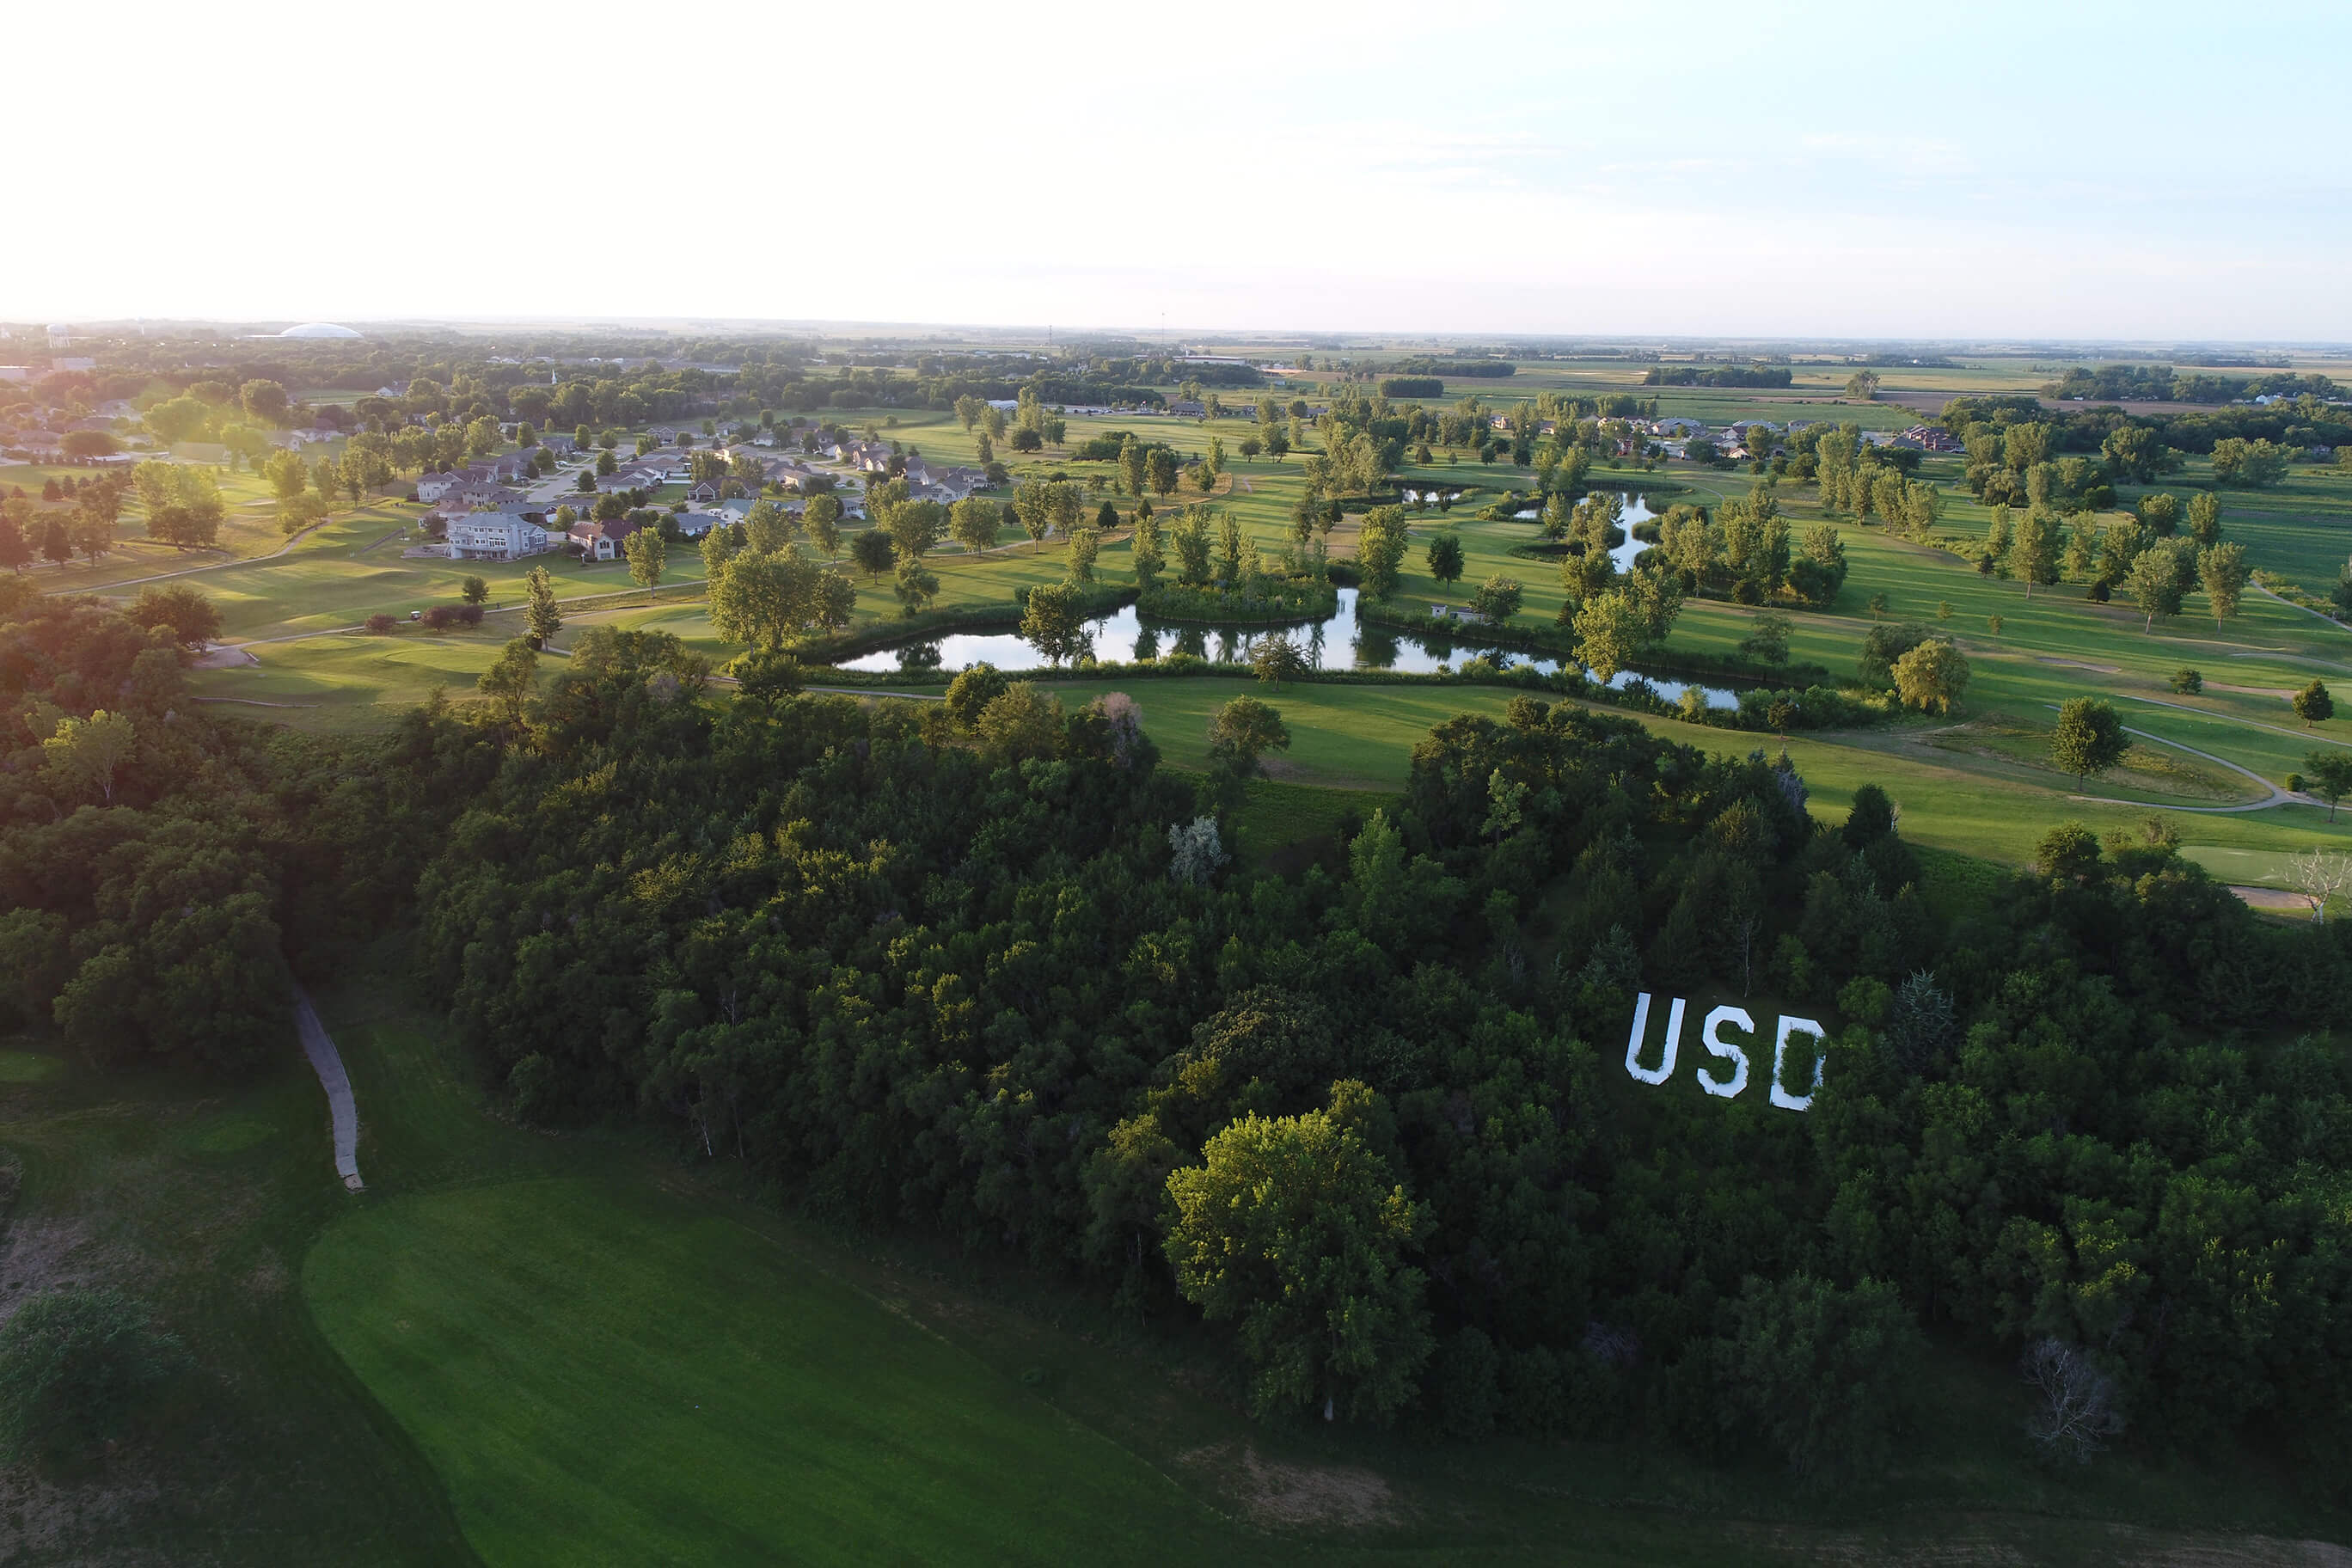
point(2151, 172)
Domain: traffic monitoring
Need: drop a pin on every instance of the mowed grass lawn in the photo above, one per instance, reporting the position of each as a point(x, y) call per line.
point(1980, 783)
point(600, 1376)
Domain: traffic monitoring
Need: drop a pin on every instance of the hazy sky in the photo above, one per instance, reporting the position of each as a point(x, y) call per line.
point(2141, 171)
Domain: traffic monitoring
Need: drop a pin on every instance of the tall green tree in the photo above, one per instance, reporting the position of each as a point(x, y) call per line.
point(2329, 775)
point(648, 553)
point(1829, 1377)
point(1244, 730)
point(1054, 621)
point(2221, 572)
point(821, 520)
point(2205, 518)
point(2087, 739)
point(2314, 704)
point(2154, 583)
point(1297, 1232)
point(1145, 551)
point(511, 680)
point(84, 755)
point(2034, 555)
point(873, 550)
point(1380, 551)
point(1932, 676)
point(542, 619)
point(915, 585)
point(1444, 558)
point(1498, 599)
point(975, 522)
point(1132, 467)
point(1085, 544)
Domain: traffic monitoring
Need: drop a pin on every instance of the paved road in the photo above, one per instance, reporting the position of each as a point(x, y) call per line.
point(328, 1063)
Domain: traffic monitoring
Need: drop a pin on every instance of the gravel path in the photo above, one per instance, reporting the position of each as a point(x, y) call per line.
point(319, 1047)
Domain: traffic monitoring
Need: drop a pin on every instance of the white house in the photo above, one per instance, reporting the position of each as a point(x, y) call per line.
point(431, 488)
point(495, 536)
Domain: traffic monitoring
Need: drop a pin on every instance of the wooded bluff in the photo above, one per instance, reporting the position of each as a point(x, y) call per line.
point(945, 966)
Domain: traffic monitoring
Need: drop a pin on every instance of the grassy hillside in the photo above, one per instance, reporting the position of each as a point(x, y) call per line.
point(497, 1352)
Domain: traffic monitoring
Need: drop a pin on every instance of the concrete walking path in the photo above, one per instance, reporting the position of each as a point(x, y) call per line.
point(2227, 719)
point(328, 1063)
point(2272, 794)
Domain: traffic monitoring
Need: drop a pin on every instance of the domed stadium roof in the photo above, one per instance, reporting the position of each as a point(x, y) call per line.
point(319, 330)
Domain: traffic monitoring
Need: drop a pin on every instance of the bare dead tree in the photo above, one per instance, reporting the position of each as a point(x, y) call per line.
point(2076, 1414)
point(2319, 876)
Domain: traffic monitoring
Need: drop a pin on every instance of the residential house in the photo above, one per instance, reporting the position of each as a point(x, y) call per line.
point(1930, 438)
point(432, 487)
point(695, 524)
point(704, 494)
point(497, 535)
point(561, 445)
point(636, 477)
point(601, 541)
point(791, 475)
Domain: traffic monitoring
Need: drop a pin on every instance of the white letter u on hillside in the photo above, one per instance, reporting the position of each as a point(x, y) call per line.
point(1665, 1067)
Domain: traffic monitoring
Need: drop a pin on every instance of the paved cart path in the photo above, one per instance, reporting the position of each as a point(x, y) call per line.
point(325, 1060)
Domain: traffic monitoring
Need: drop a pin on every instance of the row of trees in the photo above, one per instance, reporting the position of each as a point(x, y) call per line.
point(2139, 556)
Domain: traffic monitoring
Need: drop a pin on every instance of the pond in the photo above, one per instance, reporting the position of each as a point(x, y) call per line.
point(1337, 642)
point(1630, 550)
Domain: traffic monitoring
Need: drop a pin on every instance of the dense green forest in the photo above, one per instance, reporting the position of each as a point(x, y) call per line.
point(984, 968)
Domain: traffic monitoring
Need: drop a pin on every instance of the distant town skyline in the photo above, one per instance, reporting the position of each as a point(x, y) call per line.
point(2085, 173)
